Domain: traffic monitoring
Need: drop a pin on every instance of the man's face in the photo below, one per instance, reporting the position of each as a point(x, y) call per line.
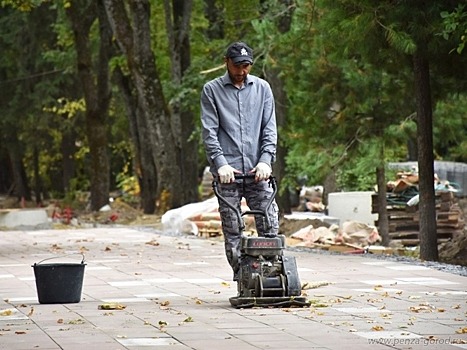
point(238, 72)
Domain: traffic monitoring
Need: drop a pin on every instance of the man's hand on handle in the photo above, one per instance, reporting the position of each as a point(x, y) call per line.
point(227, 174)
point(262, 170)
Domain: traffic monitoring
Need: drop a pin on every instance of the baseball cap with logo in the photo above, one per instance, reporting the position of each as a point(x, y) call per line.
point(240, 52)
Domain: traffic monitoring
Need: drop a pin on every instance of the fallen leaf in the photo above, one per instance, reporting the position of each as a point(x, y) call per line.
point(111, 306)
point(461, 330)
point(374, 300)
point(7, 312)
point(31, 311)
point(377, 328)
point(77, 321)
point(20, 332)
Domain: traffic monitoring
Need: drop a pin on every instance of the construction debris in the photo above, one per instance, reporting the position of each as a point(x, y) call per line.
point(403, 210)
point(311, 199)
point(353, 234)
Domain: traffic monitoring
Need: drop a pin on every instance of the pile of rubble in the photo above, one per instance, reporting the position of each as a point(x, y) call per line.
point(353, 235)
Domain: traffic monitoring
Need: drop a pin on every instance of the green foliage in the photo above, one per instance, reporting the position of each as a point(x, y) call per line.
point(400, 40)
point(450, 128)
point(22, 5)
point(350, 88)
point(128, 185)
point(455, 26)
point(345, 65)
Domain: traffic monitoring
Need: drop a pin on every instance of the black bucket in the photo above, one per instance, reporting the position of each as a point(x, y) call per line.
point(59, 283)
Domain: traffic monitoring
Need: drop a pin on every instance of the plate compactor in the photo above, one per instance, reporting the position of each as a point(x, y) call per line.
point(266, 277)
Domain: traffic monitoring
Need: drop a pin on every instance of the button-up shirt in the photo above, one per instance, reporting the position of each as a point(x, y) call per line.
point(238, 124)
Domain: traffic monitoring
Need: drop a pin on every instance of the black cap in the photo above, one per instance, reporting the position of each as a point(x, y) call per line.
point(240, 52)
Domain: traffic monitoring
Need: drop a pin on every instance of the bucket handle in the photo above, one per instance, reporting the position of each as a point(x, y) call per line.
point(62, 256)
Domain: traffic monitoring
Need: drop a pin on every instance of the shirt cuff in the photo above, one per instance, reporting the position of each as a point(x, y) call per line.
point(220, 161)
point(266, 158)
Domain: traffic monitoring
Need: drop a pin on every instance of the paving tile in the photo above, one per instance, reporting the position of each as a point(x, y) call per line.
point(177, 297)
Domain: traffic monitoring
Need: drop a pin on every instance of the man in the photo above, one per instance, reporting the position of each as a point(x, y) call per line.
point(240, 135)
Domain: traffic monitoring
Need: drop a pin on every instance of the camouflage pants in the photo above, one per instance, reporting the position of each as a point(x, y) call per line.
point(257, 195)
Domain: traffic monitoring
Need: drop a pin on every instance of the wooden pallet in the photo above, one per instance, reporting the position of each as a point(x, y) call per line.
point(404, 221)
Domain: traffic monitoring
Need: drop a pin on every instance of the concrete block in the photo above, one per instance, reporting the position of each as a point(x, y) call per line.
point(352, 206)
point(23, 217)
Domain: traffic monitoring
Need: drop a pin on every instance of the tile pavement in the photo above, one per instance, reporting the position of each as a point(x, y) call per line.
point(175, 292)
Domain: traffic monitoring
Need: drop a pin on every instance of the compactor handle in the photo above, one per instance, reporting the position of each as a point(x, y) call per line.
point(272, 183)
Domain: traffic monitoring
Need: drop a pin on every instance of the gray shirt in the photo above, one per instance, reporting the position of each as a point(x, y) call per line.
point(238, 124)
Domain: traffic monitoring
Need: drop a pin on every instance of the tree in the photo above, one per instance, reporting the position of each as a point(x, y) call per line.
point(158, 149)
point(277, 21)
point(96, 89)
point(366, 32)
point(178, 15)
point(27, 82)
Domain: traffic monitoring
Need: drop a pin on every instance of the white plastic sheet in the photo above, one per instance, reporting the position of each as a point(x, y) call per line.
point(177, 220)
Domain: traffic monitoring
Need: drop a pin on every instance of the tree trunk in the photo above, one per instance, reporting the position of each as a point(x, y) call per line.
point(21, 189)
point(68, 148)
point(280, 97)
point(135, 41)
point(428, 232)
point(96, 89)
point(214, 13)
point(38, 188)
point(383, 220)
point(142, 155)
point(182, 119)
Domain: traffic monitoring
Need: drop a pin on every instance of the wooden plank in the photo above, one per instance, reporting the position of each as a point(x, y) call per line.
point(412, 234)
point(416, 242)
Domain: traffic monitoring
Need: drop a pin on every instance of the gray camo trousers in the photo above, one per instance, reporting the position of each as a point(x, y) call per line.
point(256, 195)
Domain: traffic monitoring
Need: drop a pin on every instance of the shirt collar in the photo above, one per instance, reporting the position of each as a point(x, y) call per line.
point(226, 80)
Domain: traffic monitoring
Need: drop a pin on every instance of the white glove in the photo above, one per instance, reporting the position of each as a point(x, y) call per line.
point(263, 171)
point(227, 174)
